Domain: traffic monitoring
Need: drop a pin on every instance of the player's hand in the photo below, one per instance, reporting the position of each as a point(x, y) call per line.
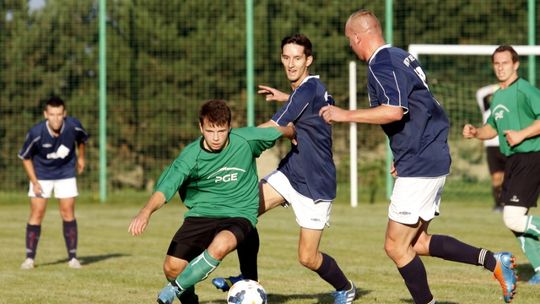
point(513, 138)
point(469, 131)
point(393, 170)
point(332, 114)
point(272, 94)
point(80, 165)
point(138, 224)
point(37, 189)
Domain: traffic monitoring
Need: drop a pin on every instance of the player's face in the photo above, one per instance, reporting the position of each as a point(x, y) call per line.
point(55, 117)
point(504, 68)
point(215, 137)
point(295, 62)
point(355, 42)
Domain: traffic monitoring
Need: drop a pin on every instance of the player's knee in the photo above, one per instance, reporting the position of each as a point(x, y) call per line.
point(308, 260)
point(392, 250)
point(515, 222)
point(171, 270)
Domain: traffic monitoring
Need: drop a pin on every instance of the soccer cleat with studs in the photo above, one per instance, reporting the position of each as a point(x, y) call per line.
point(168, 293)
point(28, 264)
point(504, 273)
point(345, 296)
point(226, 283)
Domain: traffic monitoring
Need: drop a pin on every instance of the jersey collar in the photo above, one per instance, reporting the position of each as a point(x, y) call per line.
point(385, 46)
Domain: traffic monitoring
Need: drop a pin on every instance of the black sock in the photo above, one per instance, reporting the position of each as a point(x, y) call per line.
point(331, 273)
point(247, 255)
point(70, 236)
point(415, 278)
point(33, 233)
point(450, 249)
point(188, 296)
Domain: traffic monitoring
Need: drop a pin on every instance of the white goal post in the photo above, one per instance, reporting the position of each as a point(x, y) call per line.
point(416, 50)
point(460, 49)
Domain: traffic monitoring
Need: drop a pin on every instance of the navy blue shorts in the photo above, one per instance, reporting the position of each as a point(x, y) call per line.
point(196, 234)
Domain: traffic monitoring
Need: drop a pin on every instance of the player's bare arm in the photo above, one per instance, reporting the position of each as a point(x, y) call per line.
point(516, 137)
point(81, 160)
point(380, 115)
point(272, 94)
point(482, 133)
point(29, 168)
point(140, 221)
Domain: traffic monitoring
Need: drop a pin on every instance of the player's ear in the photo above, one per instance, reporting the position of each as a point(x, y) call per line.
point(309, 60)
point(201, 128)
point(516, 65)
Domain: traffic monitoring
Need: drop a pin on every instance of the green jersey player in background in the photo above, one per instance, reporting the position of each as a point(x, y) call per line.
point(216, 176)
point(515, 119)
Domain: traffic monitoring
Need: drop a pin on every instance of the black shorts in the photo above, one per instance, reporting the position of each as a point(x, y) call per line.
point(196, 234)
point(495, 159)
point(521, 183)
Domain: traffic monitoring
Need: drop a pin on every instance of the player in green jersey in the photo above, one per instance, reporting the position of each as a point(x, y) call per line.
point(515, 119)
point(216, 176)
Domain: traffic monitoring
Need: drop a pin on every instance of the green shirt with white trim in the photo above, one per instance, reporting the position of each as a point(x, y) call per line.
point(515, 108)
point(219, 184)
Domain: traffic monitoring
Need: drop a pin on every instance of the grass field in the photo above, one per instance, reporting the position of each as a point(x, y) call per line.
point(118, 268)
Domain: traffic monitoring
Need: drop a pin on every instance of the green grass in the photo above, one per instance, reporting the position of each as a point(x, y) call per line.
point(118, 268)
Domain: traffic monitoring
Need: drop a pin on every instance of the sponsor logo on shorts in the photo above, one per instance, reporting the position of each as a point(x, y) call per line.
point(226, 175)
point(404, 213)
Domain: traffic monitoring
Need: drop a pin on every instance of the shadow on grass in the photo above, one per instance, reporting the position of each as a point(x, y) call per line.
point(524, 272)
point(89, 259)
point(438, 302)
point(318, 298)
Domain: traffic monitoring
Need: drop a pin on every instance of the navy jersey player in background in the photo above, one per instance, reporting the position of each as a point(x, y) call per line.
point(417, 128)
point(306, 176)
point(51, 163)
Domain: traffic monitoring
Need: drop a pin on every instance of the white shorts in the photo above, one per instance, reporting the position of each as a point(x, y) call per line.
point(309, 214)
point(414, 198)
point(63, 188)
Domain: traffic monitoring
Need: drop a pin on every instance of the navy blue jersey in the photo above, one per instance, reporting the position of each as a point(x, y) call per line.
point(309, 166)
point(53, 157)
point(419, 140)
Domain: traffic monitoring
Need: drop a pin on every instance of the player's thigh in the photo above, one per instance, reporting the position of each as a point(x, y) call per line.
point(224, 242)
point(269, 197)
point(309, 241)
point(38, 208)
point(400, 236)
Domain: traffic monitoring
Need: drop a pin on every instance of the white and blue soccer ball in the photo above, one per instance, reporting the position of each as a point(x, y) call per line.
point(246, 292)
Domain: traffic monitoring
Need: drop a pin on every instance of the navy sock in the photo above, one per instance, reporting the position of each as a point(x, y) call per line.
point(450, 249)
point(415, 278)
point(331, 273)
point(70, 236)
point(33, 233)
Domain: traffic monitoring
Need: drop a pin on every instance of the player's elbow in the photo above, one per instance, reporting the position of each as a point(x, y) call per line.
point(394, 114)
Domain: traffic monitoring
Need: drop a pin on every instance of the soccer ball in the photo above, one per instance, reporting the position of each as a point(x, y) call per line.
point(246, 292)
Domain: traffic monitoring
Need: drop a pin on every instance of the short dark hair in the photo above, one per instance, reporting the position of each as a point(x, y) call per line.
point(216, 111)
point(506, 48)
point(299, 39)
point(55, 102)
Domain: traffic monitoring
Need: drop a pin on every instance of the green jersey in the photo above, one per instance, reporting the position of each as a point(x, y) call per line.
point(219, 184)
point(515, 108)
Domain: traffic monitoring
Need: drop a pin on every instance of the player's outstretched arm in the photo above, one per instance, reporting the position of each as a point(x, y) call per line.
point(272, 94)
point(140, 221)
point(484, 132)
point(379, 115)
